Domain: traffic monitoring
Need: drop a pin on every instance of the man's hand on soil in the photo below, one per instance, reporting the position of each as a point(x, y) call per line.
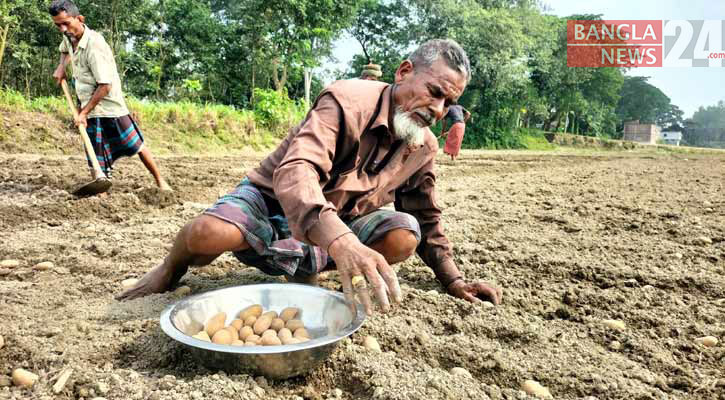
point(361, 269)
point(475, 292)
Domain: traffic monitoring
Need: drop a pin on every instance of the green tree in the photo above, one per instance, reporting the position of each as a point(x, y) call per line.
point(707, 126)
point(641, 101)
point(579, 100)
point(297, 34)
point(385, 31)
point(7, 22)
point(671, 119)
point(28, 46)
point(119, 20)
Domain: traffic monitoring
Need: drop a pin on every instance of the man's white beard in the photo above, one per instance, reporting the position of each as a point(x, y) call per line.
point(407, 129)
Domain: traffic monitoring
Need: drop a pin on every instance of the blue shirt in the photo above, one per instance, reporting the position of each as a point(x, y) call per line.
point(455, 114)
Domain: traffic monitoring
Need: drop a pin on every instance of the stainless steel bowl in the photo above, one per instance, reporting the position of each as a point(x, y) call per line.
point(326, 315)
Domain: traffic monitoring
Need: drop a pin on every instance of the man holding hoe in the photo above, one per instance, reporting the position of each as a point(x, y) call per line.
point(112, 131)
point(315, 202)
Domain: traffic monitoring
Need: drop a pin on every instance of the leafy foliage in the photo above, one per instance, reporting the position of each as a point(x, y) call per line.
point(385, 31)
point(707, 127)
point(273, 109)
point(641, 101)
point(229, 47)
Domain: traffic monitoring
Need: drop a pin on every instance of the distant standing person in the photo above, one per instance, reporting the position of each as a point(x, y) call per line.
point(456, 118)
point(371, 72)
point(112, 131)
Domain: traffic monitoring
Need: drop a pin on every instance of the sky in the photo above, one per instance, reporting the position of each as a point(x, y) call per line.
point(688, 88)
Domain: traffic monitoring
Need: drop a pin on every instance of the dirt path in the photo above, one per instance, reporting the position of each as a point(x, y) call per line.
point(573, 239)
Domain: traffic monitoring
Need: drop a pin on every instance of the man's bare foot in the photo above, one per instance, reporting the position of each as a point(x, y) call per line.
point(307, 280)
point(158, 280)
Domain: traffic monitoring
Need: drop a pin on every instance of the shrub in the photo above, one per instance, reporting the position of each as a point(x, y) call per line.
point(534, 139)
point(275, 110)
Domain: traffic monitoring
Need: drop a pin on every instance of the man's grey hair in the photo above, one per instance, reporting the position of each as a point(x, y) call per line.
point(452, 53)
point(58, 6)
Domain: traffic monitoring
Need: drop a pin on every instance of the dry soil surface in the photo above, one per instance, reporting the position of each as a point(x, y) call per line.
point(573, 238)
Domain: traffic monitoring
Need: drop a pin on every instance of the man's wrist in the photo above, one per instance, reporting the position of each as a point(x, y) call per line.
point(327, 229)
point(450, 283)
point(446, 272)
point(343, 241)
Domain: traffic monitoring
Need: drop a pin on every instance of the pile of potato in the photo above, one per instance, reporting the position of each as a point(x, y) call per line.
point(254, 327)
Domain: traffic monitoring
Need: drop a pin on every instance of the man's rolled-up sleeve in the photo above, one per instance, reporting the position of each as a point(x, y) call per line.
point(307, 163)
point(63, 47)
point(417, 197)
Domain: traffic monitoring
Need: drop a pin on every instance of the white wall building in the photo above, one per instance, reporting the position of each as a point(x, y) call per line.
point(672, 138)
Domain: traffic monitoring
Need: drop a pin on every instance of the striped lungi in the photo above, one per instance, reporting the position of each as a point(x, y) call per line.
point(113, 138)
point(274, 251)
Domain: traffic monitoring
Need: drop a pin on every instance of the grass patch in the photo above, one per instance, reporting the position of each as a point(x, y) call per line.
point(534, 139)
point(180, 128)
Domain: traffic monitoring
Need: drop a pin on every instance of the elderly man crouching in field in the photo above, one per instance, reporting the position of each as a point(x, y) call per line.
point(315, 202)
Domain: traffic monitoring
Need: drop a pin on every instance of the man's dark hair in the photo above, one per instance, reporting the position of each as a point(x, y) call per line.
point(58, 6)
point(452, 53)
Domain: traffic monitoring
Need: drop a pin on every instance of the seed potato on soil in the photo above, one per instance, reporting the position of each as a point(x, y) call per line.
point(573, 238)
point(129, 283)
point(707, 341)
point(371, 344)
point(535, 389)
point(24, 378)
point(9, 263)
point(43, 266)
point(182, 291)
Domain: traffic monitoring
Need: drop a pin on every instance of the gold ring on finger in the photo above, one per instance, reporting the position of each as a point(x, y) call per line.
point(358, 282)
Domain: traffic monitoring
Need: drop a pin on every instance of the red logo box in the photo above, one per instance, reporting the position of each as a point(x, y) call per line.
point(614, 43)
